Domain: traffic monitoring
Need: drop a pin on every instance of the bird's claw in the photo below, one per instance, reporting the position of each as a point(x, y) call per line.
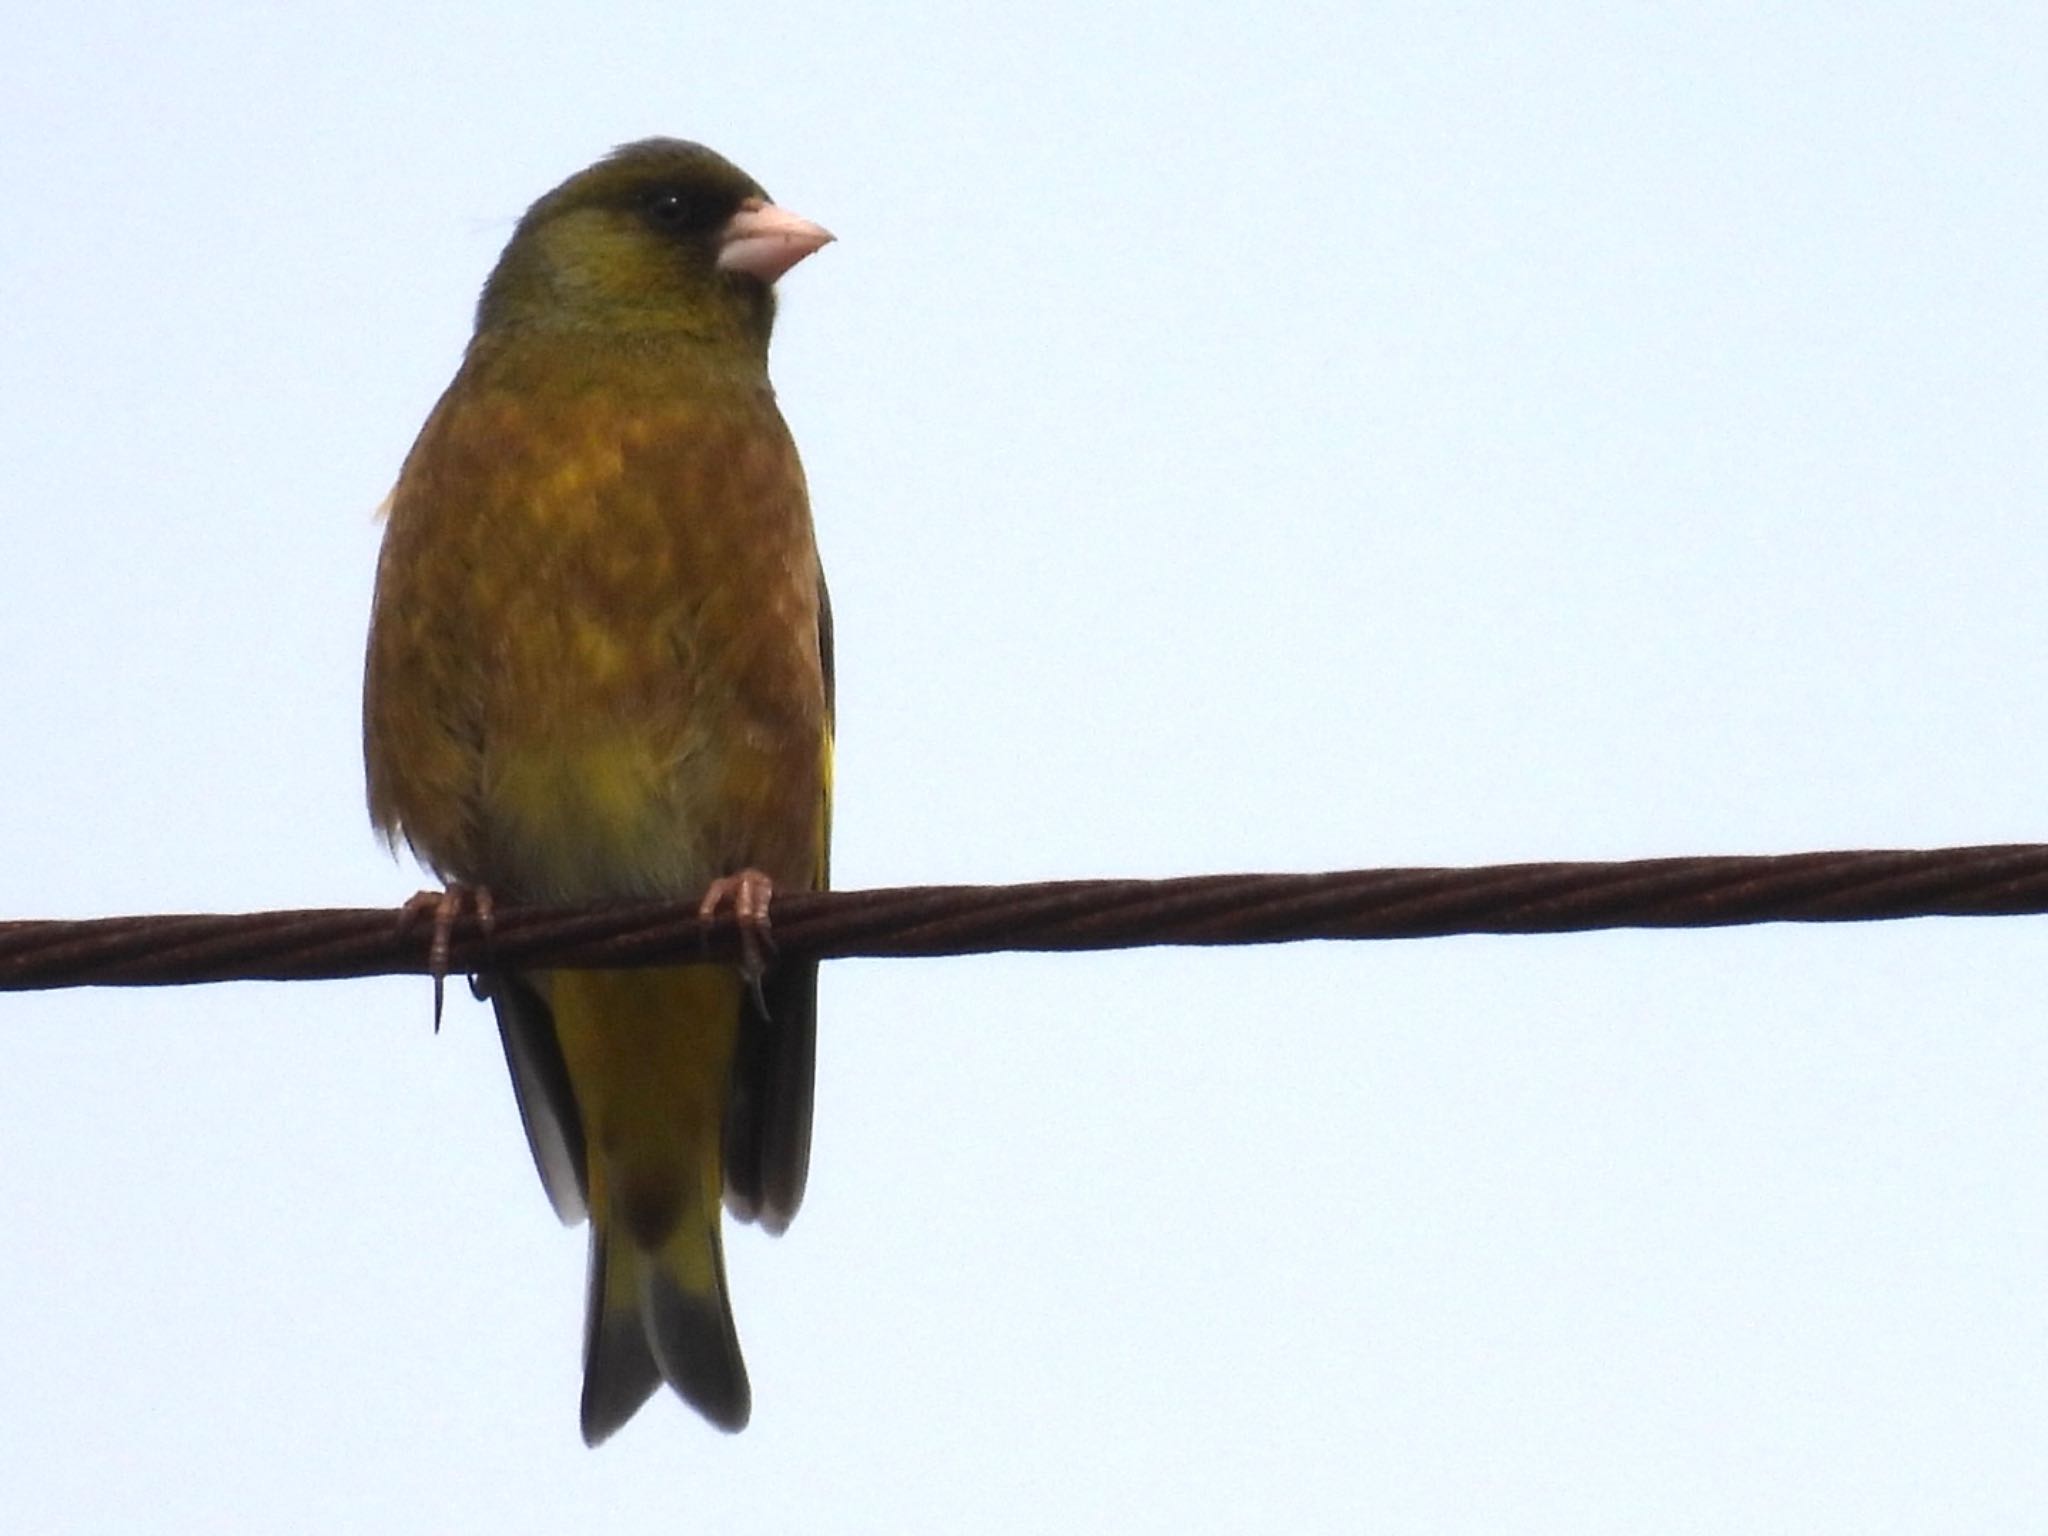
point(446, 906)
point(748, 894)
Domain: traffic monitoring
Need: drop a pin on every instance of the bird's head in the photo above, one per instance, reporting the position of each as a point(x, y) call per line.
point(661, 236)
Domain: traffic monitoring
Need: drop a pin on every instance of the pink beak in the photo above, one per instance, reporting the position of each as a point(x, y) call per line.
point(765, 241)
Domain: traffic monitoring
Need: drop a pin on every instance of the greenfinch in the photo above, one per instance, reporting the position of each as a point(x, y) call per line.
point(600, 667)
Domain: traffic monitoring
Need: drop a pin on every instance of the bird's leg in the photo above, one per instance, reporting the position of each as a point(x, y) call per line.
point(748, 893)
point(446, 905)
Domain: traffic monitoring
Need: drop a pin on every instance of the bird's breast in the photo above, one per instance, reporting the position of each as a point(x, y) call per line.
point(620, 586)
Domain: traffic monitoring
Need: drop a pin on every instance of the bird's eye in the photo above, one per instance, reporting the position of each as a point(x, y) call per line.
point(673, 210)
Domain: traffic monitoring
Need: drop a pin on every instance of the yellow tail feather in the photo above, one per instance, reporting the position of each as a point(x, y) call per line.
point(649, 1054)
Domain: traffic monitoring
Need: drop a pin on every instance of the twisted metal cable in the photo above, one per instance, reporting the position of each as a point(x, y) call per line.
point(1709, 892)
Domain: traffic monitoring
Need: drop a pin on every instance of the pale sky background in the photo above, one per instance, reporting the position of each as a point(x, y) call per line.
point(1241, 436)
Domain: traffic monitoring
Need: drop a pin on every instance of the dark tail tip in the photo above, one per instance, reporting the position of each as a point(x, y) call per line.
point(698, 1351)
point(617, 1379)
point(619, 1373)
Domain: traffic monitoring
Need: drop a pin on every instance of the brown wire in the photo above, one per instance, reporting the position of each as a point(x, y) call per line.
point(1710, 892)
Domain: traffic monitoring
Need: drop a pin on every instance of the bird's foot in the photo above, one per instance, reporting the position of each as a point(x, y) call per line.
point(446, 906)
point(748, 893)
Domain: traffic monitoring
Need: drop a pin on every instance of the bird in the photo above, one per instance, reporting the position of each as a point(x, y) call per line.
point(600, 667)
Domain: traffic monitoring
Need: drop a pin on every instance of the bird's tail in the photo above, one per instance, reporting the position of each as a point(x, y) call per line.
point(650, 1052)
point(660, 1315)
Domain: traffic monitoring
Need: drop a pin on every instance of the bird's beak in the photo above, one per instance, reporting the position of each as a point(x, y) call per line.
point(765, 241)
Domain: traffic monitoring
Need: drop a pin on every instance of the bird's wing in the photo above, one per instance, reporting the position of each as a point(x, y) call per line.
point(768, 1123)
point(540, 1084)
